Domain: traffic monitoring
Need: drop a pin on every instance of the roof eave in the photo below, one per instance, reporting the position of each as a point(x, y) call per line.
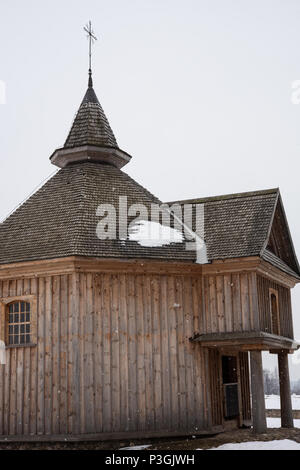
point(110, 155)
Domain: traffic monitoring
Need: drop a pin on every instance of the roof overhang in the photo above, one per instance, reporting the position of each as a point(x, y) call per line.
point(112, 156)
point(248, 264)
point(250, 340)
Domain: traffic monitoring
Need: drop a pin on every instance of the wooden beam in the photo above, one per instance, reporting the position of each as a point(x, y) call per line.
point(257, 389)
point(285, 391)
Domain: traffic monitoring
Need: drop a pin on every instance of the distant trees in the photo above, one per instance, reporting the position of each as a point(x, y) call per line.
point(271, 382)
point(295, 387)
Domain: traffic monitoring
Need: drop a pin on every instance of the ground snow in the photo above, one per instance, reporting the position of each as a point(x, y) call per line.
point(273, 402)
point(136, 447)
point(276, 423)
point(284, 444)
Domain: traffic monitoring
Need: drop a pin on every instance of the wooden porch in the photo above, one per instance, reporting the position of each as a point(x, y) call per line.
point(238, 345)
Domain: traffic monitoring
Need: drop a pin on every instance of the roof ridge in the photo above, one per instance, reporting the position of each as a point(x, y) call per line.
point(227, 196)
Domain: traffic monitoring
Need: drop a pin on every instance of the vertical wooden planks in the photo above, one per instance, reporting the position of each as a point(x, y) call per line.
point(253, 299)
point(157, 353)
point(245, 302)
point(63, 360)
point(236, 303)
point(115, 353)
point(88, 383)
point(106, 374)
point(34, 368)
point(149, 392)
point(165, 353)
point(213, 304)
point(27, 371)
point(7, 374)
point(98, 344)
point(132, 353)
point(194, 293)
point(2, 367)
point(21, 406)
point(228, 303)
point(82, 354)
point(123, 355)
point(73, 361)
point(48, 355)
point(173, 353)
point(181, 321)
point(245, 385)
point(220, 303)
point(208, 315)
point(141, 379)
point(56, 341)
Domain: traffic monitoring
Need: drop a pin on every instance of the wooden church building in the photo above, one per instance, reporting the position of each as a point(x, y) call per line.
point(113, 338)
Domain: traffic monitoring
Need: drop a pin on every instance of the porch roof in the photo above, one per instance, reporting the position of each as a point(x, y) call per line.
point(249, 340)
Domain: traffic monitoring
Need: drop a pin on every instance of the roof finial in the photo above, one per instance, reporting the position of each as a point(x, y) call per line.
point(91, 36)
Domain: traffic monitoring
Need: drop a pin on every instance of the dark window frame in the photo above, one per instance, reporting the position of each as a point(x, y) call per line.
point(274, 311)
point(5, 302)
point(18, 323)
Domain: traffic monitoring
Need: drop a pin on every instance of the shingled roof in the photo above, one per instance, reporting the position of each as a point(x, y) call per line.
point(91, 137)
point(60, 219)
point(90, 126)
point(239, 225)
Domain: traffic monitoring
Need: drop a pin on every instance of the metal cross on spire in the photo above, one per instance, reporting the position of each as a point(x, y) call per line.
point(91, 37)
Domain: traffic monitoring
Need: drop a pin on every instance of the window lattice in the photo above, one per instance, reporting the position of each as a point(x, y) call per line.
point(19, 323)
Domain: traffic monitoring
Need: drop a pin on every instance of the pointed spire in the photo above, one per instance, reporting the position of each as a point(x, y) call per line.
point(90, 126)
point(91, 137)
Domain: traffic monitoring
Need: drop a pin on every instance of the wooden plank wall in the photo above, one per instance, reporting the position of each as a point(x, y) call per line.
point(230, 303)
point(245, 385)
point(215, 368)
point(113, 354)
point(285, 309)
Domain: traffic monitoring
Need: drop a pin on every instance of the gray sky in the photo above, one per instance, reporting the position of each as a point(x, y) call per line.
point(198, 91)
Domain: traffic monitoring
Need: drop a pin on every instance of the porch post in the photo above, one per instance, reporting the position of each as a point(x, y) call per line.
point(257, 391)
point(285, 391)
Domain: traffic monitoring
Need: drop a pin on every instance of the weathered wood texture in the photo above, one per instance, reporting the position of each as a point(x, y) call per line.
point(245, 385)
point(230, 303)
point(216, 387)
point(257, 392)
point(112, 355)
point(285, 391)
point(284, 303)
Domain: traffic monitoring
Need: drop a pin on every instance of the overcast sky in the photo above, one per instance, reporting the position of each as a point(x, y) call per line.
point(198, 91)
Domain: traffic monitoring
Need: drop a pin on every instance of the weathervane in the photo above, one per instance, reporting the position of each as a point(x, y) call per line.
point(91, 36)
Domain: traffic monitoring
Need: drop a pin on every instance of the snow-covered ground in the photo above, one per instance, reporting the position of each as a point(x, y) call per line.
point(142, 447)
point(273, 402)
point(284, 444)
point(276, 423)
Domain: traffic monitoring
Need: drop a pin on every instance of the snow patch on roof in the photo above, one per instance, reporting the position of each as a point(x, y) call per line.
point(153, 234)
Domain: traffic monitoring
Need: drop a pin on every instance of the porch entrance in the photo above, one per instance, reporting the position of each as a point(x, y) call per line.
point(230, 387)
